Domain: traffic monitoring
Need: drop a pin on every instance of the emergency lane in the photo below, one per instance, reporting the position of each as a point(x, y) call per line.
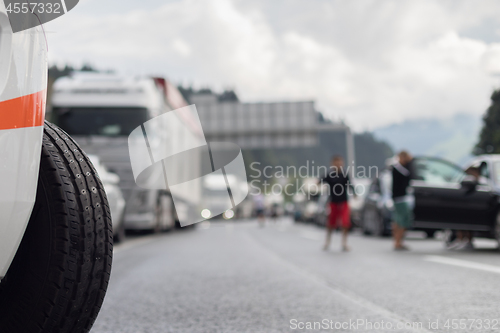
point(238, 277)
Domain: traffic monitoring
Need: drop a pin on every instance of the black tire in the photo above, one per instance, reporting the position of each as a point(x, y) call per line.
point(430, 233)
point(60, 273)
point(376, 223)
point(366, 232)
point(365, 221)
point(379, 226)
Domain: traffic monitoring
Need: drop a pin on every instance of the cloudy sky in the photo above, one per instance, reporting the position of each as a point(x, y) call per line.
point(371, 63)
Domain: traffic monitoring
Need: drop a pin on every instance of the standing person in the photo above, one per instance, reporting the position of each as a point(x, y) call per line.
point(403, 215)
point(259, 206)
point(274, 212)
point(338, 182)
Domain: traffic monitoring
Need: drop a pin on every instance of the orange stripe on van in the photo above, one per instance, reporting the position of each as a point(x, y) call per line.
point(24, 111)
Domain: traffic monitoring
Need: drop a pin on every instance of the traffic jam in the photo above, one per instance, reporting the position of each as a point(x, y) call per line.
point(236, 175)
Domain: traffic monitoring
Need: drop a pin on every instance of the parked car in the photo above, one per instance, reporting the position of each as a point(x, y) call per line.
point(448, 199)
point(56, 239)
point(357, 202)
point(116, 201)
point(321, 209)
point(317, 208)
point(378, 206)
point(299, 202)
point(444, 199)
point(307, 203)
point(314, 208)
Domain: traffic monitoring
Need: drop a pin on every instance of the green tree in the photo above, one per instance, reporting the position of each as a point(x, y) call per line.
point(489, 139)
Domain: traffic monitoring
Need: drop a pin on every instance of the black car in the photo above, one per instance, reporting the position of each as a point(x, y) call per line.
point(445, 198)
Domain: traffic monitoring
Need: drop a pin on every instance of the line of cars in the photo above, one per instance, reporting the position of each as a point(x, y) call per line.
point(311, 207)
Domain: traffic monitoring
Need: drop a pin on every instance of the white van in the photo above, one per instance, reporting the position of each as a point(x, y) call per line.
point(100, 111)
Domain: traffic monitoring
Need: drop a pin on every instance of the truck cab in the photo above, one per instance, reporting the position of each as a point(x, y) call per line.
point(100, 111)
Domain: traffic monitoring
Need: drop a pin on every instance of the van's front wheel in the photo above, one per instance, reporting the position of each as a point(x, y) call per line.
point(58, 278)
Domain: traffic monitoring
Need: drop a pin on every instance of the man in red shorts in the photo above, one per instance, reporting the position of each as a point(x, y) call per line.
point(339, 216)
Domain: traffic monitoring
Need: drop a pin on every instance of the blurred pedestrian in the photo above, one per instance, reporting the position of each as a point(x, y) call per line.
point(259, 206)
point(338, 182)
point(403, 212)
point(274, 212)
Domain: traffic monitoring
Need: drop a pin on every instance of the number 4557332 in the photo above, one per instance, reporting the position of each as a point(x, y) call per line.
point(472, 324)
point(34, 8)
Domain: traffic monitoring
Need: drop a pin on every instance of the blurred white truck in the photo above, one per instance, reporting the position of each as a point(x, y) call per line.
point(100, 111)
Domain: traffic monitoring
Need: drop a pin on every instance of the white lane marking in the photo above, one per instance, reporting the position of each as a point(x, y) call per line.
point(342, 292)
point(463, 263)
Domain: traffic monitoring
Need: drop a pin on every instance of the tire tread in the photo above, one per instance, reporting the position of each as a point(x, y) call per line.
point(82, 243)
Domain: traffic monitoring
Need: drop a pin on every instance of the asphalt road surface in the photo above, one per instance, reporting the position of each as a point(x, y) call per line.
point(238, 277)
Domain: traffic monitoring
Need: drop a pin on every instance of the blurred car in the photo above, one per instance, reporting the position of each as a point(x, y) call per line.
point(299, 201)
point(215, 196)
point(357, 202)
point(315, 209)
point(376, 214)
point(244, 209)
point(289, 209)
point(116, 201)
point(462, 202)
point(445, 198)
point(306, 201)
point(274, 205)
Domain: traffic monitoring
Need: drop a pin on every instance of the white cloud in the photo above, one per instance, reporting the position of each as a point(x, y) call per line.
point(181, 47)
point(370, 62)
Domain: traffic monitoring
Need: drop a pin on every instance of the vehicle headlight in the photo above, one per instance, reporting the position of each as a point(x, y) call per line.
point(206, 213)
point(228, 214)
